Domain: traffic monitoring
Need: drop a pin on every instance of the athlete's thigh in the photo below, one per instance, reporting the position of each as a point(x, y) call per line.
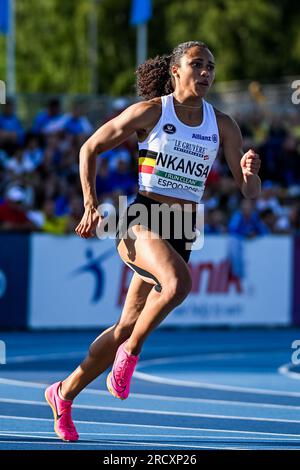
point(154, 259)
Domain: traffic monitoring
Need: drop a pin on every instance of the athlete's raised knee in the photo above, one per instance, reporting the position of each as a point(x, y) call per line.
point(177, 287)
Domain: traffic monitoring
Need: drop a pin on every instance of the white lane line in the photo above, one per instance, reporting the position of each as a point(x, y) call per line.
point(211, 386)
point(74, 354)
point(210, 401)
point(194, 400)
point(206, 354)
point(198, 357)
point(168, 360)
point(127, 425)
point(19, 383)
point(203, 438)
point(285, 370)
point(154, 412)
point(208, 385)
point(22, 383)
point(158, 445)
point(43, 357)
point(32, 435)
point(123, 443)
point(70, 354)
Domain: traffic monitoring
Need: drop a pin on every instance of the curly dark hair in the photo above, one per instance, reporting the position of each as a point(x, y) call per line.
point(153, 77)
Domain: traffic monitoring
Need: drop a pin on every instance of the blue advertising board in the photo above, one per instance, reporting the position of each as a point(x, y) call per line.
point(14, 254)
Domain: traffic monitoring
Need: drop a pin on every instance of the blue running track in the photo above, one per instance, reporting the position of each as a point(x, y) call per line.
point(193, 389)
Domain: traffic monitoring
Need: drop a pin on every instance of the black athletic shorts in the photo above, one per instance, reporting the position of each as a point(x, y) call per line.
point(186, 225)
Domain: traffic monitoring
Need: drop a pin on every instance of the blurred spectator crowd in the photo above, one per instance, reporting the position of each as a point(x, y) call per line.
point(40, 187)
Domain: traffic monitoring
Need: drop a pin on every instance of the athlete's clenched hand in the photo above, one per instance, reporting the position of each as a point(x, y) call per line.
point(87, 226)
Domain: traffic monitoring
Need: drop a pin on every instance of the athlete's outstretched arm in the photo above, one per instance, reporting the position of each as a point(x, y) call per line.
point(135, 118)
point(244, 167)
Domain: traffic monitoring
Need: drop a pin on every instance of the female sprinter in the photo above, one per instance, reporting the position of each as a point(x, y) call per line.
point(178, 137)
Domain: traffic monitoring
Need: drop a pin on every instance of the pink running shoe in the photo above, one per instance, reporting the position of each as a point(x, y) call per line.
point(63, 423)
point(118, 380)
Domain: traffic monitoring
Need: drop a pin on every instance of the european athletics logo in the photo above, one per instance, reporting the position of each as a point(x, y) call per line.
point(94, 267)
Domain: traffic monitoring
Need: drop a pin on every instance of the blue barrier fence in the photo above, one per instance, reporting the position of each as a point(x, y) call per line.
point(14, 288)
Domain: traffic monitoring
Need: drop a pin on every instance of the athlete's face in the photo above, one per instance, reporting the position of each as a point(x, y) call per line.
point(196, 71)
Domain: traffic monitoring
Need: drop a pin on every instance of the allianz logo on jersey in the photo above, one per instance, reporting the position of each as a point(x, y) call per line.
point(210, 138)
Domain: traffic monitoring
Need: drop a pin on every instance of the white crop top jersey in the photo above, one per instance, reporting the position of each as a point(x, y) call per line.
point(175, 159)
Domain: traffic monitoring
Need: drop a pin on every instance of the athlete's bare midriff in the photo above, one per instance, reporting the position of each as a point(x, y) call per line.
point(171, 200)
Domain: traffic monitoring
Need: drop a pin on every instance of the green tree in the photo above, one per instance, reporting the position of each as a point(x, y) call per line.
point(51, 45)
point(251, 39)
point(245, 36)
